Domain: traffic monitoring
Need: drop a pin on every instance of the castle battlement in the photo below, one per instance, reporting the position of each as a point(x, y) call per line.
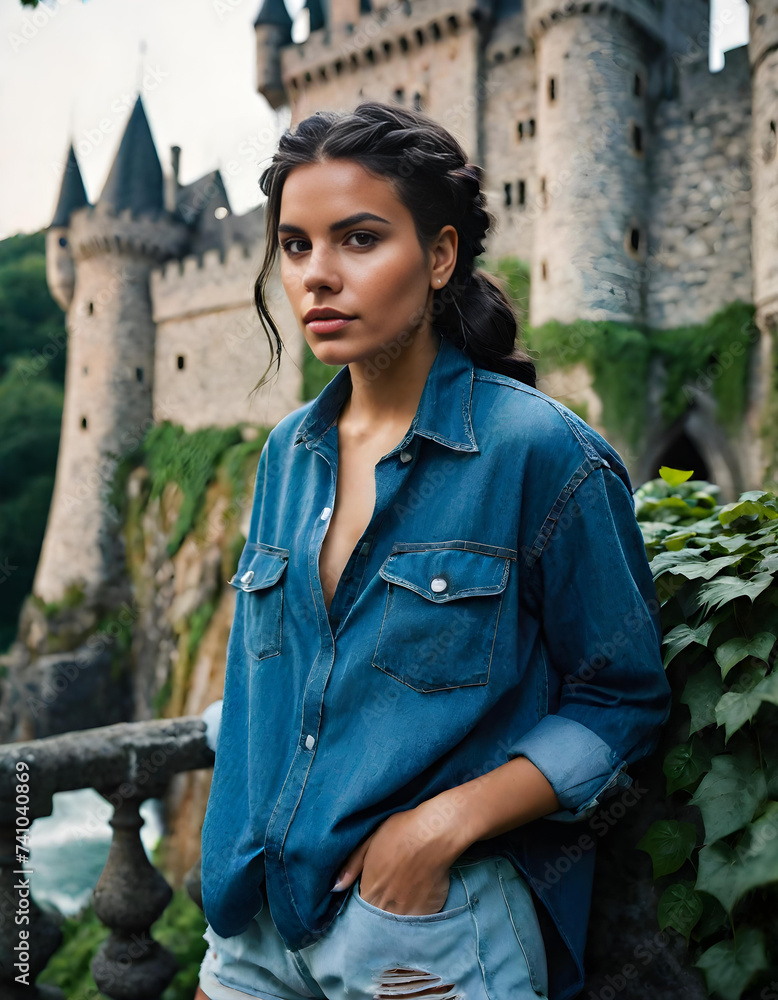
point(332, 52)
point(94, 230)
point(205, 282)
point(544, 14)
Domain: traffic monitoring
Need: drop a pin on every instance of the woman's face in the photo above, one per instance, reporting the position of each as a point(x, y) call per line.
point(348, 244)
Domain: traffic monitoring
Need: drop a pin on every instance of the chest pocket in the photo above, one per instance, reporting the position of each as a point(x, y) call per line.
point(441, 614)
point(260, 576)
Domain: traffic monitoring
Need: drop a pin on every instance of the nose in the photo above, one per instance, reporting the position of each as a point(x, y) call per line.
point(320, 269)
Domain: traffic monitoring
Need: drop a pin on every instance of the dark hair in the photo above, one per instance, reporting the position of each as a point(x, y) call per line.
point(433, 178)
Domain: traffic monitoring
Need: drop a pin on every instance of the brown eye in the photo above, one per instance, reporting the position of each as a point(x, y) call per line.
point(370, 236)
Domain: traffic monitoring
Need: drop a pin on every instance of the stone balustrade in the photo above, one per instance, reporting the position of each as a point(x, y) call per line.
point(126, 763)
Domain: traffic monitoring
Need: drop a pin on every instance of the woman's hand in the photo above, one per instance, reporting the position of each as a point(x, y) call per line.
point(405, 865)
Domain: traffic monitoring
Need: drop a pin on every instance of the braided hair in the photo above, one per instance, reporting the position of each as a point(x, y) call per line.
point(439, 186)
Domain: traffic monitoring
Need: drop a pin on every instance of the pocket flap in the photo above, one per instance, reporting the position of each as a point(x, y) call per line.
point(260, 565)
point(443, 574)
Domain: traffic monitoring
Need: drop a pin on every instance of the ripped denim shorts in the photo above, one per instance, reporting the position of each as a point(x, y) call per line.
point(485, 944)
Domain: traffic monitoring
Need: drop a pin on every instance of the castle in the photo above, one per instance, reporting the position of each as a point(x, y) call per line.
point(639, 186)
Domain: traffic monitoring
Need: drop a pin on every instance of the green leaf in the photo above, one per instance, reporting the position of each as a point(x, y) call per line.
point(728, 873)
point(702, 692)
point(735, 708)
point(680, 906)
point(746, 508)
point(682, 636)
point(669, 842)
point(674, 477)
point(665, 562)
point(731, 652)
point(683, 765)
point(727, 588)
point(731, 543)
point(729, 966)
point(678, 540)
point(729, 794)
point(706, 569)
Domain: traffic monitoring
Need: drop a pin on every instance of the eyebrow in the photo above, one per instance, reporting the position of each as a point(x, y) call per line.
point(342, 224)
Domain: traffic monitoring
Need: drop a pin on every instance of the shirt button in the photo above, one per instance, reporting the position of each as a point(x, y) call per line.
point(405, 456)
point(326, 513)
point(309, 741)
point(438, 584)
point(248, 576)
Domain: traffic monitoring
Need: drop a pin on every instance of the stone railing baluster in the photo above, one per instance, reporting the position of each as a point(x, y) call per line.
point(126, 763)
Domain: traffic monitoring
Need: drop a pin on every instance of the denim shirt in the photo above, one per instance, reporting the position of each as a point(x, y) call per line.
point(499, 603)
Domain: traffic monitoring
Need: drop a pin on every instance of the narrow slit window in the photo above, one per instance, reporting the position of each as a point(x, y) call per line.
point(637, 138)
point(91, 308)
point(637, 88)
point(552, 89)
point(139, 374)
point(180, 361)
point(634, 239)
point(522, 193)
point(544, 270)
point(532, 126)
point(507, 194)
point(520, 130)
point(83, 423)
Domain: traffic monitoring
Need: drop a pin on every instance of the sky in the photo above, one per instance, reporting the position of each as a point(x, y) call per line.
point(72, 69)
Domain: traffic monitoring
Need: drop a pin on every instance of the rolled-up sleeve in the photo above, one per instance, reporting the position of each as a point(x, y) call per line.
point(591, 587)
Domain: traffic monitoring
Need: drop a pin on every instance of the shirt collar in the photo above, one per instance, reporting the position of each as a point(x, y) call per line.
point(443, 413)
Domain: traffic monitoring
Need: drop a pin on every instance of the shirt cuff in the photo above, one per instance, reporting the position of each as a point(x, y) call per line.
point(580, 767)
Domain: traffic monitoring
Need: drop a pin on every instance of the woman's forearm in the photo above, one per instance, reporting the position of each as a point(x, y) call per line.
point(493, 803)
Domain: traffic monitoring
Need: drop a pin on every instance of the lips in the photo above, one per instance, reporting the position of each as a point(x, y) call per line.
point(325, 320)
point(329, 324)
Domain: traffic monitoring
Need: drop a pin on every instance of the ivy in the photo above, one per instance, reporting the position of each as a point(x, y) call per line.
point(713, 356)
point(715, 568)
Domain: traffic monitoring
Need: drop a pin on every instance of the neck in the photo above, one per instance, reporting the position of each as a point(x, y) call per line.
point(383, 398)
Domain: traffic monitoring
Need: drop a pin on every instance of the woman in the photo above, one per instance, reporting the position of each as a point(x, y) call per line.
point(446, 643)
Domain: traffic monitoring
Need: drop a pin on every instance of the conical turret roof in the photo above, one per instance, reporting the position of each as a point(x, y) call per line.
point(274, 12)
point(135, 180)
point(72, 193)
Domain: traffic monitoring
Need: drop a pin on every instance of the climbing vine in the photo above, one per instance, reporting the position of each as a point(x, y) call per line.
point(708, 357)
point(715, 860)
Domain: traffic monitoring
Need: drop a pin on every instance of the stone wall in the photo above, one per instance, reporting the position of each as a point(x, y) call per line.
point(211, 348)
point(699, 165)
point(764, 60)
point(510, 159)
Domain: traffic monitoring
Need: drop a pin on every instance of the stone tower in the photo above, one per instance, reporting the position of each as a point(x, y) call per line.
point(592, 71)
point(273, 29)
point(763, 56)
point(98, 263)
